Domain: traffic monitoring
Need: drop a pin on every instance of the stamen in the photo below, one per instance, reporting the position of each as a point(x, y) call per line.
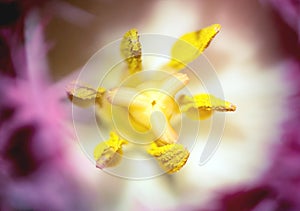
point(109, 153)
point(174, 83)
point(84, 95)
point(171, 157)
point(125, 96)
point(162, 129)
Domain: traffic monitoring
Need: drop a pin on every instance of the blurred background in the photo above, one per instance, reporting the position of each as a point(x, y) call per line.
point(43, 45)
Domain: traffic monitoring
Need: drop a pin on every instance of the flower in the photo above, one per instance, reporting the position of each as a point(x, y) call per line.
point(246, 63)
point(151, 104)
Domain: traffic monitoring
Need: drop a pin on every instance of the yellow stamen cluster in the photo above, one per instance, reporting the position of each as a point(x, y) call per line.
point(152, 104)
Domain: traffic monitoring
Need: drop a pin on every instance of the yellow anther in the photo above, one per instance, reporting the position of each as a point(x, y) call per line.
point(191, 45)
point(84, 95)
point(131, 51)
point(201, 106)
point(171, 157)
point(109, 153)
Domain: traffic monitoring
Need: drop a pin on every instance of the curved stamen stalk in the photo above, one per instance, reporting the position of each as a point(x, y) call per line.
point(124, 96)
point(174, 83)
point(162, 128)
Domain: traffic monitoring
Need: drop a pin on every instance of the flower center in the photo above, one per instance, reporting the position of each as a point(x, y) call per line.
point(146, 103)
